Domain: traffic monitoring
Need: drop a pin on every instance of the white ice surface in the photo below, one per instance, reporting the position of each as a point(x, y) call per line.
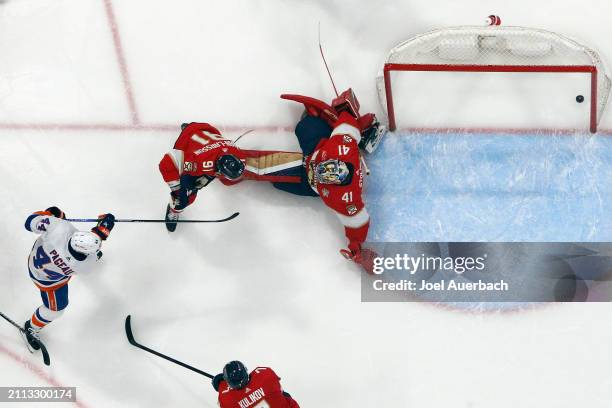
point(269, 287)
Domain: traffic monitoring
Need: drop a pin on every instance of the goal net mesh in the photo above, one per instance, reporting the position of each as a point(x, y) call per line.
point(523, 48)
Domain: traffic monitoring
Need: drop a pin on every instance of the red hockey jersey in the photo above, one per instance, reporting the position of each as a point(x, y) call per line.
point(345, 200)
point(195, 153)
point(263, 391)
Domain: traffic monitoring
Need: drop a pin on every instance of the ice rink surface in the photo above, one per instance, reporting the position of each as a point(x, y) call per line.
point(503, 187)
point(92, 93)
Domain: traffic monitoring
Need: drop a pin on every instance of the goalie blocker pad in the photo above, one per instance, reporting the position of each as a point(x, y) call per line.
point(274, 166)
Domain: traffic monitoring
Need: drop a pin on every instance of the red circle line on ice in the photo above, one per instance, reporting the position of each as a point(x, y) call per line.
point(37, 371)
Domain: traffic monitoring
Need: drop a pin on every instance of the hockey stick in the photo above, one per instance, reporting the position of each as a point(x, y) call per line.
point(231, 217)
point(133, 342)
point(364, 164)
point(244, 134)
point(43, 349)
point(325, 62)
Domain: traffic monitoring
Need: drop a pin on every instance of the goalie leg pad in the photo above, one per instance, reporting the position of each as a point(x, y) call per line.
point(274, 166)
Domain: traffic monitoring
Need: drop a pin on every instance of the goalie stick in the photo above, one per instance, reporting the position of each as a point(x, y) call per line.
point(133, 342)
point(43, 349)
point(348, 102)
point(244, 134)
point(325, 62)
point(231, 217)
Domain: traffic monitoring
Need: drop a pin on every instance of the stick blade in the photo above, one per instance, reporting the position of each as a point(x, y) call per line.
point(128, 330)
point(45, 354)
point(231, 217)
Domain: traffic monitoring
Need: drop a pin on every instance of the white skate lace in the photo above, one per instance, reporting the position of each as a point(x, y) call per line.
point(173, 216)
point(34, 333)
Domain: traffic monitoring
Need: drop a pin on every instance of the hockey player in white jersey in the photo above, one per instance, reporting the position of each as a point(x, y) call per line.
point(59, 252)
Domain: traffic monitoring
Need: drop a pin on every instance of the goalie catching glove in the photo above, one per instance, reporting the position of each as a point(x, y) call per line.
point(361, 256)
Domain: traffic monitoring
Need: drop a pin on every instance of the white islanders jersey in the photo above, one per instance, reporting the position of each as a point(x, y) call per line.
point(51, 263)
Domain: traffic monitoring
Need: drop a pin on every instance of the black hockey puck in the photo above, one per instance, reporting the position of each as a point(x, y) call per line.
point(579, 98)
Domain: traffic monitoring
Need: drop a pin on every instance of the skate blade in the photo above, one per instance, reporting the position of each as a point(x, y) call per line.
point(27, 344)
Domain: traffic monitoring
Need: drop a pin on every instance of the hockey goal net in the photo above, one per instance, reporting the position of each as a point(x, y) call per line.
point(497, 49)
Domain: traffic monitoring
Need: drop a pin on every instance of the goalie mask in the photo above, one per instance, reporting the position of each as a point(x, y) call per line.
point(332, 171)
point(230, 167)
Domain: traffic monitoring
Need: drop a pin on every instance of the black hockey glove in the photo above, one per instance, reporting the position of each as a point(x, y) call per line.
point(106, 222)
point(188, 182)
point(56, 212)
point(180, 198)
point(189, 185)
point(216, 381)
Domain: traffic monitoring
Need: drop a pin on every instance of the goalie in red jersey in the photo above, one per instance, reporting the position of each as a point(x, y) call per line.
point(259, 389)
point(200, 154)
point(330, 138)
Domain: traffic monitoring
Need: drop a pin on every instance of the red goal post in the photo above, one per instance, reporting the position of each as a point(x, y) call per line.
point(495, 49)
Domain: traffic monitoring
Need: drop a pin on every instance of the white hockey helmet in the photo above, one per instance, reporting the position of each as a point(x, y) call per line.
point(85, 242)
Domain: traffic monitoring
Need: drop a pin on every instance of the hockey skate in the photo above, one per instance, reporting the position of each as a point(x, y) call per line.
point(31, 337)
point(171, 215)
